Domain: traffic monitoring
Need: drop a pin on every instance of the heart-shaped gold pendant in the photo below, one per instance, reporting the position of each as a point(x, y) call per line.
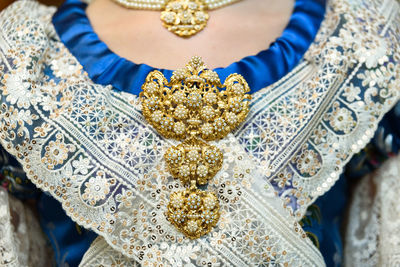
point(193, 212)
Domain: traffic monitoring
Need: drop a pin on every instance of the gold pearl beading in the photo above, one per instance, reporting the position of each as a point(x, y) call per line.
point(184, 18)
point(192, 108)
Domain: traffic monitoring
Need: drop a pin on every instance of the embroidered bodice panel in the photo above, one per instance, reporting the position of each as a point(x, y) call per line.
point(89, 146)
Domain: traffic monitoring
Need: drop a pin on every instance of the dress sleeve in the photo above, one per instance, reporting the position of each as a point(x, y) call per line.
point(12, 175)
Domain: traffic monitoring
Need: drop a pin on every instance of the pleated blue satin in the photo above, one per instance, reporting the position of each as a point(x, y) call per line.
point(268, 66)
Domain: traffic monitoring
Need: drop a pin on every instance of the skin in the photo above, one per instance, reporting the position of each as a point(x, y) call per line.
point(233, 32)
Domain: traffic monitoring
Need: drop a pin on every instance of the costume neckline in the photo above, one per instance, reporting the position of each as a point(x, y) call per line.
point(107, 68)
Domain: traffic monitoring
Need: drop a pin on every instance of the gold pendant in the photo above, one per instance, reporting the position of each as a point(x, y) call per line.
point(184, 17)
point(193, 212)
point(192, 107)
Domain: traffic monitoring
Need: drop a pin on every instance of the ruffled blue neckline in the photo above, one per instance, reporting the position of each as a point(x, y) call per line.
point(107, 68)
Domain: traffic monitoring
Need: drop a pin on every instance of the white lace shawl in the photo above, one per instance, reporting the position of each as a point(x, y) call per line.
point(373, 232)
point(89, 146)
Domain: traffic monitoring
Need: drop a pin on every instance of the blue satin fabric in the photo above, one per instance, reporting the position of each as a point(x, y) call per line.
point(268, 66)
point(68, 240)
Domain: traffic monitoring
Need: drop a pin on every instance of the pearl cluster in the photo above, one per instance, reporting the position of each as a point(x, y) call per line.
point(169, 17)
point(193, 155)
point(179, 216)
point(202, 171)
point(196, 62)
point(207, 113)
point(178, 75)
point(206, 129)
point(185, 17)
point(179, 97)
point(211, 156)
point(210, 98)
point(207, 217)
point(193, 6)
point(179, 128)
point(238, 89)
point(181, 112)
point(167, 123)
point(175, 6)
point(174, 156)
point(236, 105)
point(177, 201)
point(220, 125)
point(184, 171)
point(231, 118)
point(201, 16)
point(152, 103)
point(157, 116)
point(212, 76)
point(194, 201)
point(151, 88)
point(194, 100)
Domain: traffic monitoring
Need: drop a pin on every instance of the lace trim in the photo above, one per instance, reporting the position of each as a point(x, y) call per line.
point(101, 254)
point(303, 131)
point(371, 238)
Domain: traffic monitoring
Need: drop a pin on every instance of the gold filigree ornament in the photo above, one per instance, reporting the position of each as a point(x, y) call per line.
point(193, 107)
point(184, 18)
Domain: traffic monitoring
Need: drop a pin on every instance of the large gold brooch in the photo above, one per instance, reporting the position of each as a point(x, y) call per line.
point(193, 108)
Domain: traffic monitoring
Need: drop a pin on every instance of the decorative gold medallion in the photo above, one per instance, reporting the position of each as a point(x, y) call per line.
point(192, 107)
point(184, 17)
point(193, 160)
point(193, 212)
point(192, 104)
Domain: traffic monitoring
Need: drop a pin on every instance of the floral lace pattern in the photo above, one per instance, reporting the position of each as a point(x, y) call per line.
point(303, 131)
point(22, 243)
point(89, 146)
point(371, 238)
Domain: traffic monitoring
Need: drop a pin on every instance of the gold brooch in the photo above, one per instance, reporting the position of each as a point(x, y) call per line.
point(192, 108)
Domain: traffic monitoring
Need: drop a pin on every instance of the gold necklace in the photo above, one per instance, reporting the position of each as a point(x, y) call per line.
point(182, 17)
point(192, 108)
